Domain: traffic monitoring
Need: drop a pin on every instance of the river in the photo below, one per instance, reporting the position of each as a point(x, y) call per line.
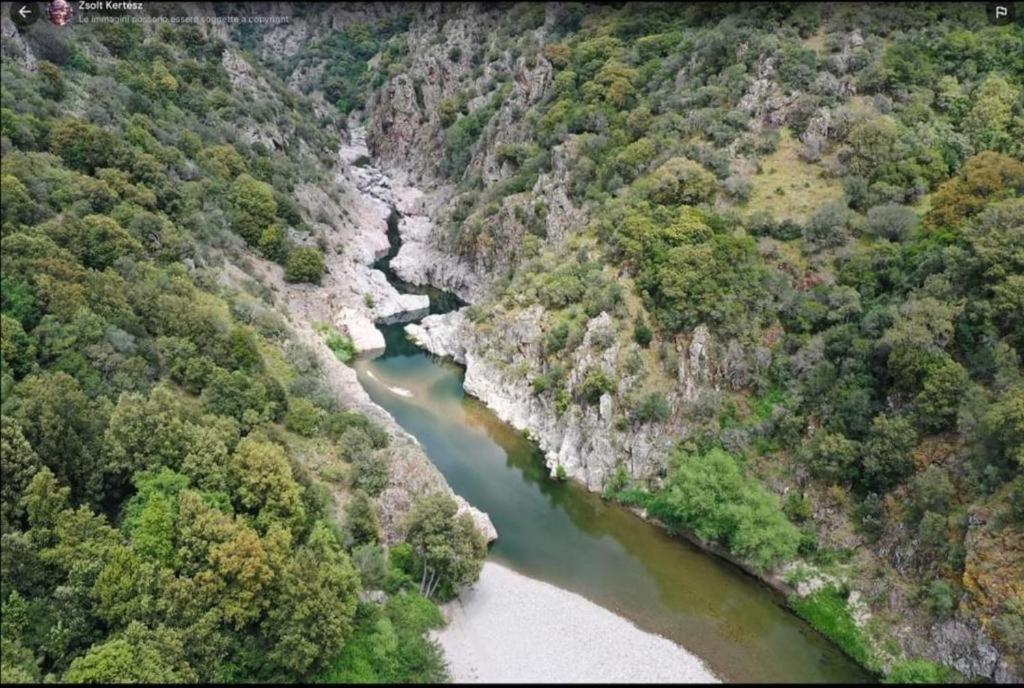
point(560, 533)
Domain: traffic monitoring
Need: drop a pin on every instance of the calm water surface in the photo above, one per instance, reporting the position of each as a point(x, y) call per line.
point(561, 533)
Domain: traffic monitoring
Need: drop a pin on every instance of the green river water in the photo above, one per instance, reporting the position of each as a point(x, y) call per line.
point(560, 533)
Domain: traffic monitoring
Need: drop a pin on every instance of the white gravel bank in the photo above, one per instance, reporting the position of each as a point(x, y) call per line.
point(510, 628)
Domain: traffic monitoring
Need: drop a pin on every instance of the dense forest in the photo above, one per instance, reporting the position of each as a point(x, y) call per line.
point(833, 193)
point(160, 522)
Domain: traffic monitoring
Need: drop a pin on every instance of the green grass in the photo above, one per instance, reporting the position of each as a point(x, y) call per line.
point(827, 612)
point(343, 348)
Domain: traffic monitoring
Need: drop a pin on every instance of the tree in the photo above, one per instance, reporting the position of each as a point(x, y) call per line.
point(985, 178)
point(652, 407)
point(261, 482)
point(832, 457)
point(305, 264)
point(596, 384)
point(932, 490)
point(84, 147)
point(361, 519)
point(828, 227)
point(886, 452)
point(18, 465)
point(144, 433)
point(988, 121)
point(304, 417)
point(944, 387)
point(254, 207)
point(710, 495)
point(62, 426)
point(103, 241)
point(315, 600)
point(676, 181)
point(448, 546)
point(891, 221)
point(138, 655)
point(272, 244)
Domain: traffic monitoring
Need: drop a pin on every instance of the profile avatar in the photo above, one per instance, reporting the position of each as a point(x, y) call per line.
point(59, 12)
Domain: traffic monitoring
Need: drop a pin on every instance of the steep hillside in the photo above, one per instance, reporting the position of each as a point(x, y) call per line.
point(195, 486)
point(770, 254)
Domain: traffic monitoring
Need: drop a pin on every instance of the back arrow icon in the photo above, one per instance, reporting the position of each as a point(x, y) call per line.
point(24, 12)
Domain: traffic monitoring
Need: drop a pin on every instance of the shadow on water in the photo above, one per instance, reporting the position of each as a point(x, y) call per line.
point(561, 533)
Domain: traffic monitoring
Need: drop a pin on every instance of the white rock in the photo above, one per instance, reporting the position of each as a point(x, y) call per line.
point(366, 338)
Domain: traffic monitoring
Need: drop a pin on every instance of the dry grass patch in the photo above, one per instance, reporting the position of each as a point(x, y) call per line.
point(789, 188)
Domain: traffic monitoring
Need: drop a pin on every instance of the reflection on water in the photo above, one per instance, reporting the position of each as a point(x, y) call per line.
point(560, 533)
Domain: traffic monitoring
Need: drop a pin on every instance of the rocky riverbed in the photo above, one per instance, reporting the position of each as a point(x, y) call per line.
point(509, 628)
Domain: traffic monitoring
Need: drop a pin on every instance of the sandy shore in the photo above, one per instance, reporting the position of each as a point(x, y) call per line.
point(510, 628)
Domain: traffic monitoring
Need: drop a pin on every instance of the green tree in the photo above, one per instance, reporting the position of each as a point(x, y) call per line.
point(945, 385)
point(18, 465)
point(254, 207)
point(304, 417)
point(448, 547)
point(710, 495)
point(311, 617)
point(886, 452)
point(62, 425)
point(361, 519)
point(261, 482)
point(676, 181)
point(138, 655)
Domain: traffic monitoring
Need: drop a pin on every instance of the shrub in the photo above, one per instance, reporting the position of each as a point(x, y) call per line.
point(642, 333)
point(919, 671)
point(939, 599)
point(711, 495)
point(343, 348)
point(303, 417)
point(361, 519)
point(370, 473)
point(651, 408)
point(595, 385)
point(254, 207)
point(272, 243)
point(890, 221)
point(828, 227)
point(305, 264)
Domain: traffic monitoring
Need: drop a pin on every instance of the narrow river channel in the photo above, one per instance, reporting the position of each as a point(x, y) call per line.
point(560, 533)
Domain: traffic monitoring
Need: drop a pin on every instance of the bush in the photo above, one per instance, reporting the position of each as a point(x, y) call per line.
point(919, 671)
point(711, 495)
point(361, 519)
point(828, 227)
point(939, 599)
point(254, 207)
point(642, 334)
point(595, 385)
point(370, 471)
point(652, 408)
point(303, 417)
point(827, 612)
point(305, 264)
point(343, 348)
point(890, 221)
point(886, 454)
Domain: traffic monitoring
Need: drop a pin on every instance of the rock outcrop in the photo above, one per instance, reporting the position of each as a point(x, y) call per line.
point(583, 440)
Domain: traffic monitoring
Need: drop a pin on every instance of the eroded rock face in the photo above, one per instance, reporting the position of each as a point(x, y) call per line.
point(584, 439)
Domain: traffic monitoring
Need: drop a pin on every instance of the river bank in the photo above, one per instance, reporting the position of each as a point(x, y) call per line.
point(511, 628)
